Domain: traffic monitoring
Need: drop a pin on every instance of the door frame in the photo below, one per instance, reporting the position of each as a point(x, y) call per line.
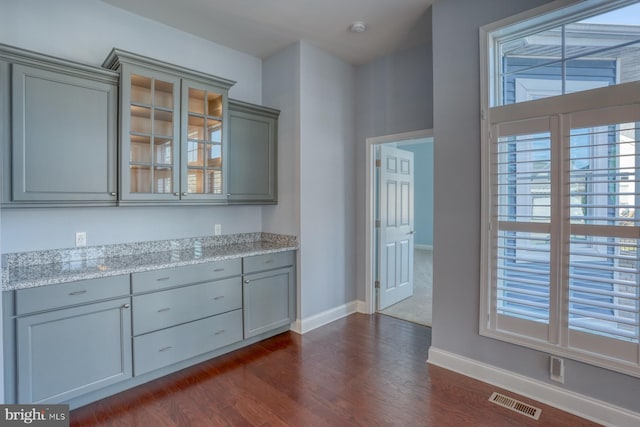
point(370, 188)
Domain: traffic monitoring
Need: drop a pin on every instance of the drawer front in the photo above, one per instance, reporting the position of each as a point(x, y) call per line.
point(268, 262)
point(169, 346)
point(170, 277)
point(72, 293)
point(160, 310)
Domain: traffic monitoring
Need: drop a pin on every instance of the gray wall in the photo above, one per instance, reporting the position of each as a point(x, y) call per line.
point(281, 90)
point(457, 218)
point(315, 92)
point(394, 95)
point(327, 180)
point(423, 189)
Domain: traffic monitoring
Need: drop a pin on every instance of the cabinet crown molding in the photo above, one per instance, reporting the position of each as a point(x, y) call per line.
point(117, 57)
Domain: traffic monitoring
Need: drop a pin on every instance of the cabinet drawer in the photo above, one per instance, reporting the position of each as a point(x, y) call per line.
point(163, 348)
point(170, 277)
point(72, 293)
point(159, 310)
point(268, 262)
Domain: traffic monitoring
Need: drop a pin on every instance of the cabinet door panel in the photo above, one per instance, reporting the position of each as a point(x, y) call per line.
point(252, 153)
point(150, 128)
point(204, 142)
point(63, 354)
point(168, 346)
point(64, 137)
point(268, 301)
point(167, 308)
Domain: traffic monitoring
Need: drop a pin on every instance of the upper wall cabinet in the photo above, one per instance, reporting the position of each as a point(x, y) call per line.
point(252, 153)
point(173, 136)
point(60, 145)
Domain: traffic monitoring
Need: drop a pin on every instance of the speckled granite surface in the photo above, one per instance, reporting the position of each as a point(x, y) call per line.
point(41, 268)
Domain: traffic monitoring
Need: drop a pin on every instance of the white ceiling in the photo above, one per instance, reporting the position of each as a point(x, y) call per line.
point(262, 27)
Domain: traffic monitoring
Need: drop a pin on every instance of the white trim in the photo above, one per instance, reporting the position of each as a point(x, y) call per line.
point(369, 250)
point(557, 397)
point(302, 326)
point(361, 307)
point(423, 247)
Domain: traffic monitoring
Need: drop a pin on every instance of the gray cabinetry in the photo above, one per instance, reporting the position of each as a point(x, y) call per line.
point(61, 146)
point(268, 292)
point(68, 351)
point(252, 153)
point(77, 342)
point(173, 136)
point(183, 312)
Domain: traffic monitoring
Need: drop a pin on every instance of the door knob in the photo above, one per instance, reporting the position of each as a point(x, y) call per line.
point(412, 232)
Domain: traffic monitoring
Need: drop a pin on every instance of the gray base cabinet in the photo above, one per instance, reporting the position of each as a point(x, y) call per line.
point(253, 140)
point(63, 126)
point(63, 354)
point(80, 341)
point(268, 292)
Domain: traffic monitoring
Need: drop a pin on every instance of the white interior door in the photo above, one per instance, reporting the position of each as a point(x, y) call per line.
point(395, 239)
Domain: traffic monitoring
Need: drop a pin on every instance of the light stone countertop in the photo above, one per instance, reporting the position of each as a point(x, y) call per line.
point(42, 268)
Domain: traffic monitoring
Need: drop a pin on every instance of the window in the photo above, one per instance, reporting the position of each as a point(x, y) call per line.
point(561, 159)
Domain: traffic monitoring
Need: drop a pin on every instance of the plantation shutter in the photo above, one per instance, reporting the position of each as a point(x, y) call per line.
point(564, 226)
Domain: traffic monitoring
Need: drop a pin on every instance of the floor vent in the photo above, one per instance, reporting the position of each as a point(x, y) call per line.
point(515, 405)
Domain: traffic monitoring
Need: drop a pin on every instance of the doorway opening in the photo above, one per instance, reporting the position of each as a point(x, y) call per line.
point(399, 221)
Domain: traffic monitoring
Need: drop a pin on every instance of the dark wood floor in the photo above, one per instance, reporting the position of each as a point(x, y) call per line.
point(358, 371)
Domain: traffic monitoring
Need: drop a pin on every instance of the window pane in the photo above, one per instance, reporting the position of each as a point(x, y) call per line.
point(524, 178)
point(599, 51)
point(603, 168)
point(523, 275)
point(603, 286)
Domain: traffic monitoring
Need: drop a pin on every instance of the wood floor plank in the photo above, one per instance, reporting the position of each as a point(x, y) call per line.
point(358, 371)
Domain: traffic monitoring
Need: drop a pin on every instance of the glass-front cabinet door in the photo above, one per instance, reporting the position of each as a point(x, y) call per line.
point(150, 164)
point(204, 142)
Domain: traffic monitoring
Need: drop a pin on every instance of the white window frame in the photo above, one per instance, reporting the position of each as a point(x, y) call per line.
point(550, 340)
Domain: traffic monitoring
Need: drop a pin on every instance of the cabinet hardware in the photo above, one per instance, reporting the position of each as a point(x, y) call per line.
point(219, 332)
point(113, 194)
point(176, 194)
point(246, 281)
point(78, 292)
point(228, 195)
point(412, 232)
point(269, 261)
point(162, 310)
point(219, 297)
point(126, 306)
point(165, 349)
point(185, 193)
point(217, 270)
point(162, 279)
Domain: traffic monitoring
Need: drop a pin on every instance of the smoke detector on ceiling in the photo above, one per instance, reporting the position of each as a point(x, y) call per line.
point(358, 27)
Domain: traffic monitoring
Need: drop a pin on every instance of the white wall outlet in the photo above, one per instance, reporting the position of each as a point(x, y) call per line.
point(81, 238)
point(556, 369)
point(217, 229)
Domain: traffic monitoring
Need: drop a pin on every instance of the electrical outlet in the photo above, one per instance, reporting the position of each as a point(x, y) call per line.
point(81, 238)
point(217, 229)
point(556, 369)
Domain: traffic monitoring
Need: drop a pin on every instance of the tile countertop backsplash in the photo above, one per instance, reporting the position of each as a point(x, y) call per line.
point(41, 268)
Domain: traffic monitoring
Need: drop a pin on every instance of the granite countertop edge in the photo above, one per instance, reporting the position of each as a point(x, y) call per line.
point(24, 277)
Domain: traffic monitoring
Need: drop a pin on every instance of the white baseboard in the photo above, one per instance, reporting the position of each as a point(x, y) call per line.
point(302, 326)
point(565, 400)
point(423, 247)
point(361, 307)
